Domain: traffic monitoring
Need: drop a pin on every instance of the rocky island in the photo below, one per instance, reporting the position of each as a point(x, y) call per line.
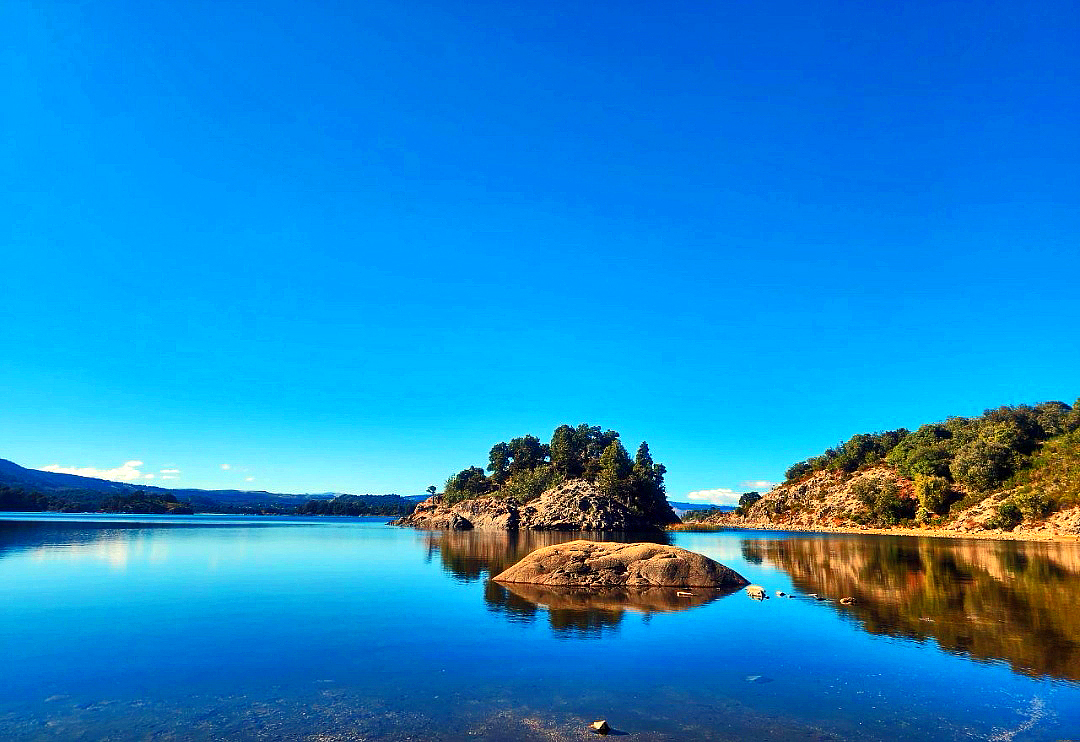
point(596, 564)
point(583, 480)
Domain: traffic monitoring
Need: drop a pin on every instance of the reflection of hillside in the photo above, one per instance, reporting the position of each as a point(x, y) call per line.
point(1011, 601)
point(17, 536)
point(470, 555)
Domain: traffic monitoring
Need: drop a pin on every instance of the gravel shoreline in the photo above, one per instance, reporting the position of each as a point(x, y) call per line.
point(1033, 535)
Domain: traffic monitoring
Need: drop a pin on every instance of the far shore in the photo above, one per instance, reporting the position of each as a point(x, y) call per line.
point(1043, 536)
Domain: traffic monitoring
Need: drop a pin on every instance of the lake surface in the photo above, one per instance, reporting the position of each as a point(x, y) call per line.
point(335, 629)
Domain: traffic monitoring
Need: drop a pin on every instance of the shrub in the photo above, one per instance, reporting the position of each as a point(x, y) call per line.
point(882, 499)
point(1008, 517)
point(982, 465)
point(931, 492)
point(1034, 505)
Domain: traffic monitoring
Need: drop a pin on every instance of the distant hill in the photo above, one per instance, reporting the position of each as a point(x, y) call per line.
point(77, 492)
point(681, 508)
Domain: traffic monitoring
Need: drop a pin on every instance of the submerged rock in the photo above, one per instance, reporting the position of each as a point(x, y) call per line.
point(603, 564)
point(757, 592)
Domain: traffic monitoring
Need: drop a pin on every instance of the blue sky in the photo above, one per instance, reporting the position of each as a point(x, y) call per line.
point(348, 246)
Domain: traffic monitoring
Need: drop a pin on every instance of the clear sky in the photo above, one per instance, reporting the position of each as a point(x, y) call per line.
point(340, 246)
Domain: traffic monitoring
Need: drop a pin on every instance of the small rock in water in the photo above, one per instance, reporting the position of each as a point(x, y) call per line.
point(847, 601)
point(600, 727)
point(780, 593)
point(757, 592)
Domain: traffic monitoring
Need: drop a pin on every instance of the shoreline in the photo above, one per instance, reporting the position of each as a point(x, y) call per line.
point(1035, 536)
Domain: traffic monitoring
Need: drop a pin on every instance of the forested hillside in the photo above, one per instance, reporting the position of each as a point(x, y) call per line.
point(1008, 466)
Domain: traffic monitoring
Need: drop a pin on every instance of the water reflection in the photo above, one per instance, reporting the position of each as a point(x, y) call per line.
point(475, 555)
point(989, 600)
point(472, 555)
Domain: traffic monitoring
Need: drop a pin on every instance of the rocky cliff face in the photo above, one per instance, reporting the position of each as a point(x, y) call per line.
point(573, 506)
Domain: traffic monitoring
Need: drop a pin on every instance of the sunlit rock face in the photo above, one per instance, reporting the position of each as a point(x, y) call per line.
point(576, 505)
point(607, 564)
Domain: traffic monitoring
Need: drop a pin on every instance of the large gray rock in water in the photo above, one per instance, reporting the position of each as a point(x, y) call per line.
point(606, 563)
point(576, 505)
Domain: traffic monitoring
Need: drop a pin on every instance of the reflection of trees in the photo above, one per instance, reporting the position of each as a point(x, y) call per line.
point(16, 535)
point(1005, 600)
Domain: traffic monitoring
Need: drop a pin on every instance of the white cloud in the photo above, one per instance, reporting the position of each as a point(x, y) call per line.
point(148, 476)
point(758, 484)
point(126, 472)
point(169, 471)
point(718, 496)
point(169, 476)
point(249, 479)
point(226, 467)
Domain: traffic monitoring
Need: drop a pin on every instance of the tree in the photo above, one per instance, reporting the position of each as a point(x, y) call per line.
point(431, 490)
point(614, 471)
point(526, 453)
point(567, 451)
point(746, 499)
point(499, 462)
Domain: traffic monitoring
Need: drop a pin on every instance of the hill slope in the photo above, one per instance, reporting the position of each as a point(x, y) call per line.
point(1011, 469)
point(88, 493)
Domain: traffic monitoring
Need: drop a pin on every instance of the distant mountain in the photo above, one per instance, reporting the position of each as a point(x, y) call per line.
point(684, 507)
point(90, 489)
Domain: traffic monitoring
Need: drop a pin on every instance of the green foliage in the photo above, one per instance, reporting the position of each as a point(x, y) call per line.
point(467, 484)
point(1034, 505)
point(1054, 471)
point(350, 505)
point(142, 502)
point(932, 493)
point(863, 449)
point(982, 465)
point(798, 471)
point(528, 484)
point(883, 501)
point(615, 470)
point(524, 467)
point(1008, 516)
point(746, 499)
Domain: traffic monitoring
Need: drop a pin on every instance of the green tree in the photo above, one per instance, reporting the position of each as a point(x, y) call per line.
point(615, 469)
point(746, 499)
point(499, 462)
point(431, 490)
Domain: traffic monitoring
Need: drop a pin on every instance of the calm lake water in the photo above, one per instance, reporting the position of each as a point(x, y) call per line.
point(334, 629)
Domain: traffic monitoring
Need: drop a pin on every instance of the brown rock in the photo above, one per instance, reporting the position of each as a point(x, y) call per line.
point(604, 564)
point(600, 727)
point(576, 505)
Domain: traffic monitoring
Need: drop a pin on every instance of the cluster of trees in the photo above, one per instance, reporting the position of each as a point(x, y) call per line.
point(143, 502)
point(980, 453)
point(27, 500)
point(350, 505)
point(524, 467)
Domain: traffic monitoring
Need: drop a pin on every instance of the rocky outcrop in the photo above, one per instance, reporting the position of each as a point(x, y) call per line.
point(573, 506)
point(605, 564)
